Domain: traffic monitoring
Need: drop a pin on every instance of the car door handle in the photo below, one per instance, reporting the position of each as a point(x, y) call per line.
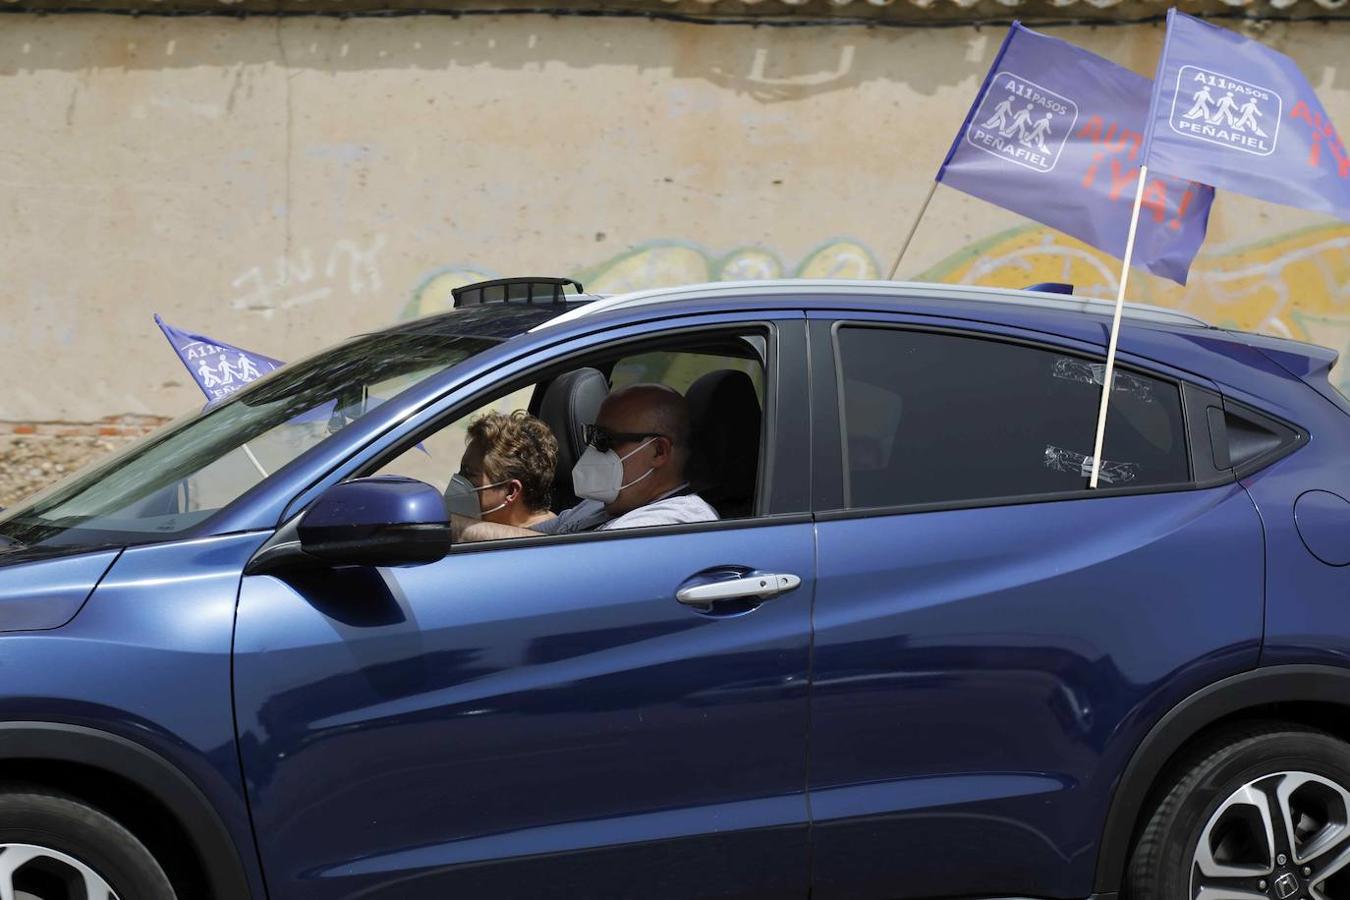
point(748, 587)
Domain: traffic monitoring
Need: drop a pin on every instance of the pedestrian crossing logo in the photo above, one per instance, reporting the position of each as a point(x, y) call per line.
point(222, 370)
point(1021, 122)
point(1213, 107)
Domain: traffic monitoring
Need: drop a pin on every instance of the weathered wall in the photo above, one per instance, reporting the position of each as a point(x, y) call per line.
point(282, 183)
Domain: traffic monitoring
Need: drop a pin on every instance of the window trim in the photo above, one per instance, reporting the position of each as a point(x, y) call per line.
point(549, 540)
point(1084, 493)
point(776, 332)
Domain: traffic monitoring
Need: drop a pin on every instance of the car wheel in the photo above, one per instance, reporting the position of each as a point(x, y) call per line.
point(1262, 812)
point(53, 847)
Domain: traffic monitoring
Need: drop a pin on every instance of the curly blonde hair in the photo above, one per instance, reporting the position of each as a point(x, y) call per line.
point(518, 446)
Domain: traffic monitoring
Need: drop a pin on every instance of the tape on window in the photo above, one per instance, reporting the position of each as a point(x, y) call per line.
point(1061, 460)
point(1081, 370)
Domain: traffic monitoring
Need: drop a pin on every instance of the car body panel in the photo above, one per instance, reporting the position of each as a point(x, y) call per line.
point(530, 720)
point(1308, 618)
point(977, 687)
point(148, 660)
point(47, 593)
point(979, 684)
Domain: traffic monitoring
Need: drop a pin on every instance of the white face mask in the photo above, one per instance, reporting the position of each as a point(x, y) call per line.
point(461, 497)
point(599, 476)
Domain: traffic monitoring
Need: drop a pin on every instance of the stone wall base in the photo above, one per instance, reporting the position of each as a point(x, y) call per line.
point(36, 454)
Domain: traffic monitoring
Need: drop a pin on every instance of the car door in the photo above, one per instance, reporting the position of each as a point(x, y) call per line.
point(990, 637)
point(542, 717)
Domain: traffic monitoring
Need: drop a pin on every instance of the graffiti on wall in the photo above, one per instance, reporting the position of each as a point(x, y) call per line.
point(1296, 285)
point(304, 277)
point(667, 264)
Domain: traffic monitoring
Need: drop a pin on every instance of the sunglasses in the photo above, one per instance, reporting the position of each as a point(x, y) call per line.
point(604, 440)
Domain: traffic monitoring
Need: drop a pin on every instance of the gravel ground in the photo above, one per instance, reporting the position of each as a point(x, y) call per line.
point(30, 463)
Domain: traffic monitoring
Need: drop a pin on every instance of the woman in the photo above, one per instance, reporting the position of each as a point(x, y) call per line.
point(508, 464)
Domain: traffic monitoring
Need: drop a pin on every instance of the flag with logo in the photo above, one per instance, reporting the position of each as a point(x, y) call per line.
point(218, 368)
point(1055, 134)
point(1238, 115)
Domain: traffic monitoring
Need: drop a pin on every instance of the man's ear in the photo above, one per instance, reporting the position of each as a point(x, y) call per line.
point(665, 450)
point(514, 490)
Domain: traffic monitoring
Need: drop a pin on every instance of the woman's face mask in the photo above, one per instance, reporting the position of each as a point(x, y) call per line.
point(599, 475)
point(461, 497)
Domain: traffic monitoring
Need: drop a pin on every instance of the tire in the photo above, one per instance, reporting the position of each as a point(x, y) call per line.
point(1210, 827)
point(65, 841)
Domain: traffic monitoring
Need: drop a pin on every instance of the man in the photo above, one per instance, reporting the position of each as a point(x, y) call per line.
point(631, 475)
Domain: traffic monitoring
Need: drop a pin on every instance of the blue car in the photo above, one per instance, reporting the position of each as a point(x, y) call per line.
point(914, 656)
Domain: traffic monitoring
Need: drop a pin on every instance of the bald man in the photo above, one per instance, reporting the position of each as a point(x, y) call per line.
point(631, 475)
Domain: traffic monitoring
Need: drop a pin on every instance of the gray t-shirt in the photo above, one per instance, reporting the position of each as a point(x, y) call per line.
point(590, 515)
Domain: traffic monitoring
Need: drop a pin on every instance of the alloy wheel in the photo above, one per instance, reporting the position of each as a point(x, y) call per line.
point(29, 872)
point(1284, 836)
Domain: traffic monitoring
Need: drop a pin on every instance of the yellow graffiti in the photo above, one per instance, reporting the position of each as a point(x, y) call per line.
point(1296, 285)
point(656, 266)
point(668, 264)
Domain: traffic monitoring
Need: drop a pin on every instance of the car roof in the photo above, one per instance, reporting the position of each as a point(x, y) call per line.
point(584, 306)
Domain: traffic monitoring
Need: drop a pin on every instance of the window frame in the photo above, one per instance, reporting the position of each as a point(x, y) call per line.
point(831, 490)
point(783, 337)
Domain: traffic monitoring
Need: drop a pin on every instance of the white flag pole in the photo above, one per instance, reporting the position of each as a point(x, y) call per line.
point(253, 459)
point(1109, 375)
point(912, 229)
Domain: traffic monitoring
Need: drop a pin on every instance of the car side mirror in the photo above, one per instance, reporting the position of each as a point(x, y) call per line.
point(385, 520)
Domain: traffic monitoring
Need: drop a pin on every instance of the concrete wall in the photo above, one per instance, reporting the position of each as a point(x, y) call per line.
point(282, 183)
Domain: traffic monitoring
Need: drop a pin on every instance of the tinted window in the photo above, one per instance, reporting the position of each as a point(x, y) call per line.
point(934, 417)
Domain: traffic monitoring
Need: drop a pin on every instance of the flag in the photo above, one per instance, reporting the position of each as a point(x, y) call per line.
point(218, 368)
point(1055, 134)
point(1236, 114)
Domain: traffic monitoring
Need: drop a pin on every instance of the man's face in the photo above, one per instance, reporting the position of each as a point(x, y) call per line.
point(628, 430)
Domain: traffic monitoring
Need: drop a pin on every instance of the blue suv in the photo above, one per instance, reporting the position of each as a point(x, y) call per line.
point(244, 658)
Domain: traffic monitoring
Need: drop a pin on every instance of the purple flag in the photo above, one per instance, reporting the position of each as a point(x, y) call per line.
point(1240, 116)
point(218, 368)
point(1055, 134)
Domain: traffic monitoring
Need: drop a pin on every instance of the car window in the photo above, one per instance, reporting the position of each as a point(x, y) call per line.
point(721, 379)
point(932, 417)
point(680, 369)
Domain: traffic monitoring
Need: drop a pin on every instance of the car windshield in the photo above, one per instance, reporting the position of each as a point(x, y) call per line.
point(175, 479)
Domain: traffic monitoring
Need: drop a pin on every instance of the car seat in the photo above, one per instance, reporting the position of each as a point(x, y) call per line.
point(725, 418)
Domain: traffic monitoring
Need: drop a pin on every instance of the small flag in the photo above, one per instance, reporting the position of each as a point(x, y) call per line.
point(1236, 114)
point(218, 368)
point(1055, 134)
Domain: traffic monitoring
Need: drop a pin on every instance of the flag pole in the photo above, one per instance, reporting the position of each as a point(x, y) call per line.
point(912, 229)
point(253, 459)
point(1109, 374)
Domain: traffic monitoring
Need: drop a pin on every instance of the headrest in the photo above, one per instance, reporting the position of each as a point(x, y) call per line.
point(725, 415)
point(570, 403)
